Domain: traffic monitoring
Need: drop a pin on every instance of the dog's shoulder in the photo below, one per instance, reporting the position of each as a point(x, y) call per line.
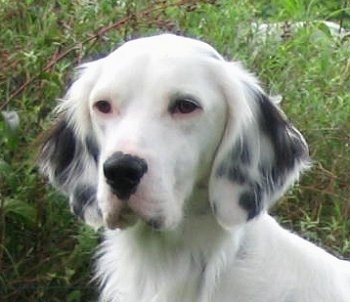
point(301, 270)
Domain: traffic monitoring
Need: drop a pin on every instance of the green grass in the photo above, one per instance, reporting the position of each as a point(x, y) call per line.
point(45, 253)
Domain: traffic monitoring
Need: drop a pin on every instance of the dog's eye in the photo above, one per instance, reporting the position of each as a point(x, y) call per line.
point(184, 106)
point(103, 106)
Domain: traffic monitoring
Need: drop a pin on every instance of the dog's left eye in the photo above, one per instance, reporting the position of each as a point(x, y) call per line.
point(184, 106)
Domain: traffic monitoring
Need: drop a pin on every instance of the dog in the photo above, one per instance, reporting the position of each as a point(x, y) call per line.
point(179, 154)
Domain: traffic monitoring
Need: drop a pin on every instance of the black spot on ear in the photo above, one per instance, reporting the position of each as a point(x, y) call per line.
point(240, 152)
point(233, 173)
point(235, 165)
point(271, 177)
point(59, 146)
point(245, 155)
point(251, 201)
point(287, 143)
point(83, 196)
point(63, 156)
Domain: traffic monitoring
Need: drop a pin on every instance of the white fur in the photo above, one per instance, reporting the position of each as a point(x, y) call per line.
point(212, 244)
point(257, 262)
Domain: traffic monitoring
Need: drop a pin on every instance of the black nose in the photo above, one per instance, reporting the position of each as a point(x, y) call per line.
point(123, 173)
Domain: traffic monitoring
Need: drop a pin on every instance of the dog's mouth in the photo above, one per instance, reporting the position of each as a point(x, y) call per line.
point(127, 218)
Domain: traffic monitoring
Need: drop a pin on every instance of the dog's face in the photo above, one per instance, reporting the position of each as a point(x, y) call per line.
point(161, 121)
point(157, 128)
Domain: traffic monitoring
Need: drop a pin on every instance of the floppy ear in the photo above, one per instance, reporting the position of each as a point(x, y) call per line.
point(69, 152)
point(260, 156)
point(70, 163)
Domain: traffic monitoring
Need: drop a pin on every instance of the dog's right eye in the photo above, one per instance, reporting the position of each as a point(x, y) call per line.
point(103, 106)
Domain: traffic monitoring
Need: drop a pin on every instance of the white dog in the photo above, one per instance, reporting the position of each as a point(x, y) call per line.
point(179, 154)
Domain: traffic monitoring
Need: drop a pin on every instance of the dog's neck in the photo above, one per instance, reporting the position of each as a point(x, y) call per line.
point(194, 255)
point(199, 233)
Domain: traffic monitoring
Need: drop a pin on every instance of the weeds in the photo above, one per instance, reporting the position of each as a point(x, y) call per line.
point(45, 253)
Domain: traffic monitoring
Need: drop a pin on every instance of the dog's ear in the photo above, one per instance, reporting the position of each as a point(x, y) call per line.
point(260, 155)
point(70, 162)
point(69, 152)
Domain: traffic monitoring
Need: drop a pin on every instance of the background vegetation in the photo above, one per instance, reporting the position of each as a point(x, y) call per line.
point(45, 253)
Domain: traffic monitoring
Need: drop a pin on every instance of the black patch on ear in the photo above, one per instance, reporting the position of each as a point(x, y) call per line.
point(59, 147)
point(286, 141)
point(251, 201)
point(233, 173)
point(240, 153)
point(234, 166)
point(83, 196)
point(244, 156)
point(64, 156)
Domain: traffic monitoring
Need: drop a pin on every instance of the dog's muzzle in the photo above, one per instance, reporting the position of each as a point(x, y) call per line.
point(123, 173)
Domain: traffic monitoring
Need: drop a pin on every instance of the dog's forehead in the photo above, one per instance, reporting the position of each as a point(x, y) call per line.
point(166, 45)
point(140, 65)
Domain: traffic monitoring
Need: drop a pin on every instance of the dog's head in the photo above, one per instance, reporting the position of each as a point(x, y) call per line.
point(163, 122)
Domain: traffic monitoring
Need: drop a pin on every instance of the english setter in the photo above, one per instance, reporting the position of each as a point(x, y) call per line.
point(179, 154)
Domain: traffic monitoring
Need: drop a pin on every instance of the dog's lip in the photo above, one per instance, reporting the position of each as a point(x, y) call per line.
point(127, 217)
point(124, 219)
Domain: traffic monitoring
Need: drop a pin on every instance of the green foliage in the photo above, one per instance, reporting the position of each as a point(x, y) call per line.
point(45, 253)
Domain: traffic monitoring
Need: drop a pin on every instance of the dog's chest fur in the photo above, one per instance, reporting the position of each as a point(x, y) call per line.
point(144, 265)
point(249, 264)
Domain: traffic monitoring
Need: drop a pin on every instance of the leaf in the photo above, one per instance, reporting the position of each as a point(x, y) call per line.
point(21, 209)
point(5, 168)
point(74, 296)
